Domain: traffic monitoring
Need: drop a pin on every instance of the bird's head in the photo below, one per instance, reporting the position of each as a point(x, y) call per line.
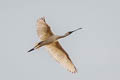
point(70, 32)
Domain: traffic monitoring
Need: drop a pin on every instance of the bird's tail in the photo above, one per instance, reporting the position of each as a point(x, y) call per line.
point(31, 49)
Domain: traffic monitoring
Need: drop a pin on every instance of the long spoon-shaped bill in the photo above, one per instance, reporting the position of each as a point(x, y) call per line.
point(75, 30)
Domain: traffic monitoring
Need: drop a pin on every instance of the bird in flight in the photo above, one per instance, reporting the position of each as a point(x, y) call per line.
point(50, 41)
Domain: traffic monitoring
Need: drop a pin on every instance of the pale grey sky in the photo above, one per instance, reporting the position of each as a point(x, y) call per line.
point(95, 50)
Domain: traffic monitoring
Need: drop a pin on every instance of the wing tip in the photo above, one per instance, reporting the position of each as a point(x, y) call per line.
point(41, 19)
point(74, 71)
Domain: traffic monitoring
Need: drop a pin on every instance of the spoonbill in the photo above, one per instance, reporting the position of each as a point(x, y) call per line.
point(50, 41)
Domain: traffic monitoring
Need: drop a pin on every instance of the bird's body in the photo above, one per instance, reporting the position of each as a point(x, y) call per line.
point(50, 41)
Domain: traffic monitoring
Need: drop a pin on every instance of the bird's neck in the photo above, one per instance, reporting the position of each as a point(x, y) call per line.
point(63, 36)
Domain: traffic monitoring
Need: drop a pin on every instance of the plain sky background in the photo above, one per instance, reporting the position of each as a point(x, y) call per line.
point(95, 50)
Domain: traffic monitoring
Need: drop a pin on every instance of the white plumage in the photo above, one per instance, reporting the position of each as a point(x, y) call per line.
point(49, 40)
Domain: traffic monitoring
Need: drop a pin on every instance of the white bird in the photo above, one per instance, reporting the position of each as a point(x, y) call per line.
point(50, 41)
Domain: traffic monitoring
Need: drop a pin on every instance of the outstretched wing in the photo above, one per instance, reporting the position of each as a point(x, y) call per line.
point(61, 56)
point(55, 48)
point(43, 29)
